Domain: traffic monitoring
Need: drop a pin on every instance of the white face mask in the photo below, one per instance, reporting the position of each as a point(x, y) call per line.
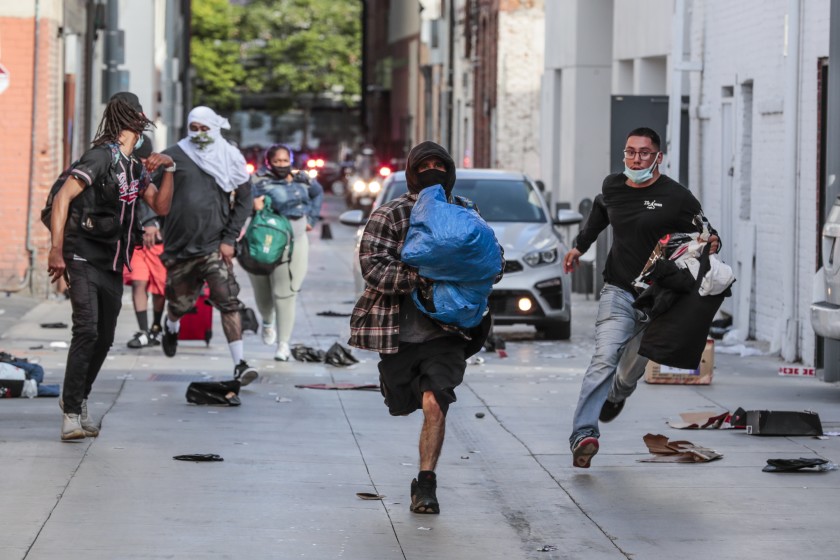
point(639, 176)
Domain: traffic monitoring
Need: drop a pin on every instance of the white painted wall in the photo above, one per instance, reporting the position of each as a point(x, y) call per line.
point(576, 98)
point(741, 46)
point(745, 42)
point(520, 64)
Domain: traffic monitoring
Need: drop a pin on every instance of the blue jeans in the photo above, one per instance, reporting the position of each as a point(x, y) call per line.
point(616, 366)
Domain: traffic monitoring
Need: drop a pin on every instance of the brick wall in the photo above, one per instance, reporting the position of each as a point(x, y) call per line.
point(16, 142)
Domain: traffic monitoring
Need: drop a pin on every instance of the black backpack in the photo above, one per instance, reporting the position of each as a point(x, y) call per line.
point(86, 199)
point(46, 213)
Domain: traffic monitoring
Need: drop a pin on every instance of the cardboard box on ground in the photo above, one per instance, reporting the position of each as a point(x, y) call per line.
point(656, 373)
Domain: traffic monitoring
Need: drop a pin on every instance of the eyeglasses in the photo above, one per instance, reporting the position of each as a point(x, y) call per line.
point(644, 156)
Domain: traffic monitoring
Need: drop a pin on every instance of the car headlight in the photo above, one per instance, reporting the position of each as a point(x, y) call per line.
point(537, 258)
point(313, 173)
point(359, 186)
point(374, 187)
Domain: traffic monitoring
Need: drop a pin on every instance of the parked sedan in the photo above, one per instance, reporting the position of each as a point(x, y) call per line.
point(534, 290)
point(825, 314)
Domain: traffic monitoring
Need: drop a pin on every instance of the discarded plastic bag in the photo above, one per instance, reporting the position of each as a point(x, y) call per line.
point(303, 353)
point(214, 392)
point(338, 355)
point(803, 464)
point(30, 389)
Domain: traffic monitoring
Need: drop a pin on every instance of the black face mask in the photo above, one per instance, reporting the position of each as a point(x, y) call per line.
point(432, 177)
point(281, 172)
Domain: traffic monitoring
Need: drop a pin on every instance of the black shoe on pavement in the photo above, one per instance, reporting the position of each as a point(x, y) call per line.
point(583, 450)
point(140, 340)
point(244, 373)
point(169, 342)
point(423, 496)
point(610, 410)
point(154, 335)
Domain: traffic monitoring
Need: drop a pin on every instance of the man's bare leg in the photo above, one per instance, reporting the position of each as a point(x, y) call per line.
point(424, 487)
point(432, 433)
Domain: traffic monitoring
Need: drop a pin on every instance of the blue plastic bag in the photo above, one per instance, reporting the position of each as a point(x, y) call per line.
point(455, 247)
point(449, 242)
point(460, 304)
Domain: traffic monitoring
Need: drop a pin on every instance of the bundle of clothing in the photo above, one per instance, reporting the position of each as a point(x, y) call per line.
point(454, 246)
point(681, 288)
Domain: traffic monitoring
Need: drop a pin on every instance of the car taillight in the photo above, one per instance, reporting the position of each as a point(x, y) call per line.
point(384, 171)
point(249, 167)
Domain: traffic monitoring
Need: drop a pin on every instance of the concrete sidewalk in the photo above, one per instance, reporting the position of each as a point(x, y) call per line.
point(294, 459)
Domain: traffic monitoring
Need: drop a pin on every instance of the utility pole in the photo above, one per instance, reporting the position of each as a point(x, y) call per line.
point(114, 80)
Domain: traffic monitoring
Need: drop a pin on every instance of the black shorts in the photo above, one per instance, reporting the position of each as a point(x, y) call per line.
point(437, 365)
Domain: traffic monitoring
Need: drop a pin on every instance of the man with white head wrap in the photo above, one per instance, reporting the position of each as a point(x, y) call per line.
point(213, 190)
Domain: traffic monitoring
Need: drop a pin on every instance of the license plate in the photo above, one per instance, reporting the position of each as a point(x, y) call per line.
point(365, 201)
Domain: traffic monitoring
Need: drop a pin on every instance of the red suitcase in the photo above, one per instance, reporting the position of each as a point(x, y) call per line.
point(197, 323)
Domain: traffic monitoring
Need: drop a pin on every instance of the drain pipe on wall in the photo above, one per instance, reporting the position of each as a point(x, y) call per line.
point(789, 324)
point(676, 93)
point(30, 246)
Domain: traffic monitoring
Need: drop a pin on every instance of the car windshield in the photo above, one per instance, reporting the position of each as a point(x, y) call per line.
point(498, 200)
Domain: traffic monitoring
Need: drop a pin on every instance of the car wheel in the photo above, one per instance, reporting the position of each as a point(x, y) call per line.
point(556, 331)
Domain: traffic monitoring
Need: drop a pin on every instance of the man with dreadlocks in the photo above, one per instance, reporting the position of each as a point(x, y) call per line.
point(91, 232)
point(213, 200)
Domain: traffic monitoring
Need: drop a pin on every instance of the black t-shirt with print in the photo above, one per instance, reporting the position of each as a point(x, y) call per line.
point(639, 217)
point(106, 215)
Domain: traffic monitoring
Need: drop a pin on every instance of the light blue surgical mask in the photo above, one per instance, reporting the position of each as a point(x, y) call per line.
point(639, 176)
point(139, 142)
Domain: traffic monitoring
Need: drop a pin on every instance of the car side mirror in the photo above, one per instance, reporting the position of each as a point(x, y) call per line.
point(353, 218)
point(540, 185)
point(566, 217)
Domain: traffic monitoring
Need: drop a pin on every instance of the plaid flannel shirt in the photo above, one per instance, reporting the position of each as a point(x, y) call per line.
point(375, 321)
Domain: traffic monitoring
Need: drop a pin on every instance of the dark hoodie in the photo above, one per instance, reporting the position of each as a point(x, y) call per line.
point(424, 151)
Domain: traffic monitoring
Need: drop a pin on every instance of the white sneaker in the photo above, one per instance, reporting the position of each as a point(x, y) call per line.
point(88, 425)
point(269, 335)
point(71, 427)
point(283, 353)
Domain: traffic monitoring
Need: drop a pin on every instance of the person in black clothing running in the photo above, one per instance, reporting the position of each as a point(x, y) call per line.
point(642, 205)
point(212, 201)
point(91, 225)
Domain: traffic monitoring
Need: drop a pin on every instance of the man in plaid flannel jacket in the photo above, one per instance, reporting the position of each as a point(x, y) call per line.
point(422, 360)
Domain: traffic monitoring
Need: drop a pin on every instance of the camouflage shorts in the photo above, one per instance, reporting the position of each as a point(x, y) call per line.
point(185, 279)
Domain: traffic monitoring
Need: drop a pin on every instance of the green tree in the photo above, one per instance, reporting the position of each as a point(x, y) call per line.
point(302, 52)
point(215, 55)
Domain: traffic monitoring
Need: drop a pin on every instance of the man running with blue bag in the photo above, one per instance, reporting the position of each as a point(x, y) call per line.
point(425, 328)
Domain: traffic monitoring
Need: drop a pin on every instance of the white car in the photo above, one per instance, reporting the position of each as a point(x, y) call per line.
point(534, 290)
point(825, 314)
